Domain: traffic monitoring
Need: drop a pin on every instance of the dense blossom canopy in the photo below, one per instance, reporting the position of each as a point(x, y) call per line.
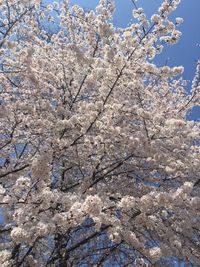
point(98, 164)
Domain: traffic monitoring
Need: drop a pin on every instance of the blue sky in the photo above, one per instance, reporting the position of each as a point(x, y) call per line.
point(186, 52)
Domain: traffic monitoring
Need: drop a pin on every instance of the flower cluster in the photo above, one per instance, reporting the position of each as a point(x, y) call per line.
point(96, 154)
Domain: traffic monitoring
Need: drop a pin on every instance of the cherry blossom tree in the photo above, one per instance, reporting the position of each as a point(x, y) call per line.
point(98, 164)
